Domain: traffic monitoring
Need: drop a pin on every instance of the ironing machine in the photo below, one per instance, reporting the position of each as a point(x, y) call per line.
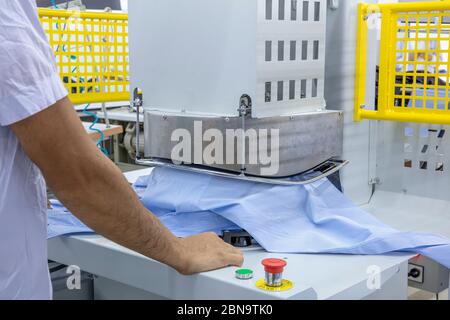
point(275, 92)
point(251, 72)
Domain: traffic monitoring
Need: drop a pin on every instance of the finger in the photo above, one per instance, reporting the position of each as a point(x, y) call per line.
point(237, 251)
point(230, 248)
point(235, 260)
point(212, 234)
point(228, 245)
point(234, 251)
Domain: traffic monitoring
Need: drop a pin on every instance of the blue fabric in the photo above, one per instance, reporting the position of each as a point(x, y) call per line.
point(316, 218)
point(187, 223)
point(61, 222)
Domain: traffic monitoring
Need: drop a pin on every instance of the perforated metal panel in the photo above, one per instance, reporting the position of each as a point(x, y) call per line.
point(414, 159)
point(200, 56)
point(291, 72)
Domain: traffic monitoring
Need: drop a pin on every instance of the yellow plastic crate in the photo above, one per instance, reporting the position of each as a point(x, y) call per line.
point(91, 50)
point(414, 68)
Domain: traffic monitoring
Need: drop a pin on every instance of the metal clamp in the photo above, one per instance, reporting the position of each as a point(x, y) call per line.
point(245, 110)
point(137, 103)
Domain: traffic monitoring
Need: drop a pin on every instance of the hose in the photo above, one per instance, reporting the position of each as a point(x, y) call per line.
point(91, 127)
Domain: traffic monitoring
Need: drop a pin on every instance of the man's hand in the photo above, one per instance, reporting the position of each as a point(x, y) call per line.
point(207, 252)
point(95, 191)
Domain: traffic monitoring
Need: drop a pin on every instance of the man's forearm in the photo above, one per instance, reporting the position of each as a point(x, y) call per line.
point(92, 187)
point(97, 186)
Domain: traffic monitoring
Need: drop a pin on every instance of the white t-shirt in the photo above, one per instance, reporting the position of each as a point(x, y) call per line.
point(29, 83)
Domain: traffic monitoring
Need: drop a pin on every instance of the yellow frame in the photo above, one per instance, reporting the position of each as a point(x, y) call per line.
point(388, 62)
point(91, 49)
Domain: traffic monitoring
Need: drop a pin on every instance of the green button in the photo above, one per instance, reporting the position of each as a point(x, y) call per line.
point(244, 274)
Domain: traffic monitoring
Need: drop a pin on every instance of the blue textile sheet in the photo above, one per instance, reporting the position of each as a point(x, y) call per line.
point(61, 222)
point(315, 218)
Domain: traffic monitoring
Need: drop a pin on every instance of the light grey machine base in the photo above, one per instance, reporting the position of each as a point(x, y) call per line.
point(305, 140)
point(120, 273)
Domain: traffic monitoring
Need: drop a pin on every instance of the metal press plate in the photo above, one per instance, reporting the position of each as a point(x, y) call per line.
point(306, 140)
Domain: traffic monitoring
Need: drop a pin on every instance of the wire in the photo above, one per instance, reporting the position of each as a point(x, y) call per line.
point(91, 127)
point(85, 109)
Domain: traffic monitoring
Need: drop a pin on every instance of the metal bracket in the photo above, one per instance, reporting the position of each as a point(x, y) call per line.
point(333, 4)
point(319, 172)
point(245, 106)
point(245, 110)
point(137, 103)
point(240, 239)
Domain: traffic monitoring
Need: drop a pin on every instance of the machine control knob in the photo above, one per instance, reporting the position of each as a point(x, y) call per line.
point(244, 274)
point(274, 271)
point(414, 273)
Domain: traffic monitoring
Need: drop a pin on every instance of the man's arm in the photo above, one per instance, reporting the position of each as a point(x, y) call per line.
point(95, 190)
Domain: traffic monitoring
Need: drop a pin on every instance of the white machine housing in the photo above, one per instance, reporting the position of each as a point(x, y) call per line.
point(216, 50)
point(200, 65)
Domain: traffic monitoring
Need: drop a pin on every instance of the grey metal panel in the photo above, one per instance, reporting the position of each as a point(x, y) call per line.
point(394, 289)
point(193, 55)
point(306, 140)
point(401, 144)
point(216, 50)
point(435, 276)
point(339, 94)
point(107, 289)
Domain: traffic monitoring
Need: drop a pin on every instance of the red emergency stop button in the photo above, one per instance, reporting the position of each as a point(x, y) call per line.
point(274, 266)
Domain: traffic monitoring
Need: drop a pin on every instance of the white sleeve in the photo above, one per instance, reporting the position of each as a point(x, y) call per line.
point(29, 80)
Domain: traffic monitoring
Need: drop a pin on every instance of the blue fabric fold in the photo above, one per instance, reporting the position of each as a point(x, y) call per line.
point(315, 218)
point(61, 222)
